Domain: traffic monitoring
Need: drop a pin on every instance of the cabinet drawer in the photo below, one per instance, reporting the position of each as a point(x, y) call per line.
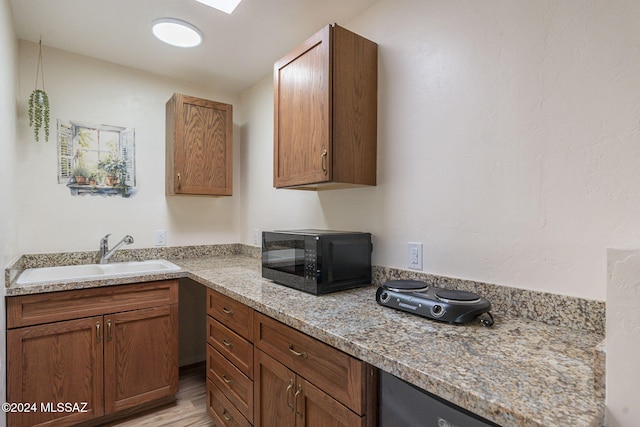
point(331, 370)
point(26, 310)
point(236, 386)
point(231, 313)
point(231, 345)
point(221, 410)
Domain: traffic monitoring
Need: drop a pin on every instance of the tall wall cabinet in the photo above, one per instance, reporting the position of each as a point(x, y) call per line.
point(325, 121)
point(199, 146)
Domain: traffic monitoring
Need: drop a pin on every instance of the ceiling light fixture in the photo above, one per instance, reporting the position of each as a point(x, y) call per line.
point(176, 32)
point(226, 6)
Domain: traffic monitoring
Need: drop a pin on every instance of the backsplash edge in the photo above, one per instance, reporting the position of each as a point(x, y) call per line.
point(549, 308)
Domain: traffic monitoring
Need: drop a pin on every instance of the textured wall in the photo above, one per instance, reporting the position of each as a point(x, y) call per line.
point(623, 338)
point(508, 141)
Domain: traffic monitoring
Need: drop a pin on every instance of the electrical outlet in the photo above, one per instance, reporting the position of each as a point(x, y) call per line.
point(161, 238)
point(256, 236)
point(415, 256)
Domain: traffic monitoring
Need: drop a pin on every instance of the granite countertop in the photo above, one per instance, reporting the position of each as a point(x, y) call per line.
point(517, 373)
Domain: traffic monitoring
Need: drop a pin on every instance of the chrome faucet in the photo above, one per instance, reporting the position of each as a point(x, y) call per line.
point(105, 253)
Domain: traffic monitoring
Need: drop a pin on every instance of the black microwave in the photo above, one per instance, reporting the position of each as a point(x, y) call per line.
point(317, 261)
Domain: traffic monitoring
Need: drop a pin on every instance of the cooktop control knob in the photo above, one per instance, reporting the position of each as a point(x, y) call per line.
point(437, 310)
point(384, 297)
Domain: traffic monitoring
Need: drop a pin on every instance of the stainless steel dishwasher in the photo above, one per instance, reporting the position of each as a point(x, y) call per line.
point(405, 405)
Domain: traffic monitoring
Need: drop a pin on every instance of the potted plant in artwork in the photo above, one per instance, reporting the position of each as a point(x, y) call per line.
point(114, 169)
point(94, 177)
point(80, 174)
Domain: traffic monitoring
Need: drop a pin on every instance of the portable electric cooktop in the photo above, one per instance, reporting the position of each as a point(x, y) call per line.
point(426, 300)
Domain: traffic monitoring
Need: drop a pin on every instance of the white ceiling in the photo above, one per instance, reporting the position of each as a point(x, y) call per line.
point(238, 49)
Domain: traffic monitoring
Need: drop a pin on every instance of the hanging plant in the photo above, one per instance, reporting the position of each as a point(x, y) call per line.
point(39, 113)
point(39, 104)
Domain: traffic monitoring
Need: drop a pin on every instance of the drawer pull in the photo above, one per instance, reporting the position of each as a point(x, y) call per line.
point(227, 311)
point(227, 343)
point(303, 354)
point(290, 405)
point(226, 415)
point(295, 400)
point(98, 331)
point(226, 380)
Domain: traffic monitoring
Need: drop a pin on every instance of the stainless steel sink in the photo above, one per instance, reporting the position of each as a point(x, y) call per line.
point(89, 271)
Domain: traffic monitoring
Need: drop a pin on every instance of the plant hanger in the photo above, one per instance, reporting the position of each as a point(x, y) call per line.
point(39, 103)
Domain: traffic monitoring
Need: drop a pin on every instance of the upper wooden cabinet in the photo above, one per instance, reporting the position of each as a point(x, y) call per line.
point(325, 121)
point(199, 146)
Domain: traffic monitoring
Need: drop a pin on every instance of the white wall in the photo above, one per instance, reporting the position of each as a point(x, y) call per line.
point(8, 212)
point(508, 142)
point(87, 90)
point(264, 207)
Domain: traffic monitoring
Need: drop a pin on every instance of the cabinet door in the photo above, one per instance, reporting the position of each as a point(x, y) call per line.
point(274, 392)
point(199, 146)
point(302, 122)
point(56, 363)
point(141, 356)
point(315, 408)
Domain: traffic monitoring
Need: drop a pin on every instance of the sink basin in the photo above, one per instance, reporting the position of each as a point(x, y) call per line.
point(88, 271)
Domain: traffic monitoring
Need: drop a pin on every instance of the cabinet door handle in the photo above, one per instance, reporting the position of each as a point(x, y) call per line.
point(226, 380)
point(227, 343)
point(304, 354)
point(109, 330)
point(227, 311)
point(179, 181)
point(324, 161)
point(295, 400)
point(98, 331)
point(290, 405)
point(226, 415)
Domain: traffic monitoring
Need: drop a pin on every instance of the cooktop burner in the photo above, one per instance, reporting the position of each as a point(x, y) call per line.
point(447, 305)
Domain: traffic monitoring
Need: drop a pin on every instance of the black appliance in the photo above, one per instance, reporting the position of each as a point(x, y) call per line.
point(425, 300)
point(317, 261)
point(405, 405)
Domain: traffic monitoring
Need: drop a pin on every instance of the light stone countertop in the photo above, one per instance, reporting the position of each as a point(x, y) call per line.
point(517, 373)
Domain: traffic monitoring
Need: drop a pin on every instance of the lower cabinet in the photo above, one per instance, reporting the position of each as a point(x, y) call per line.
point(286, 399)
point(229, 361)
point(261, 372)
point(122, 354)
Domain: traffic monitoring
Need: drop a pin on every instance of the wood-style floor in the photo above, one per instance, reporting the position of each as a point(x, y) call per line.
point(189, 409)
